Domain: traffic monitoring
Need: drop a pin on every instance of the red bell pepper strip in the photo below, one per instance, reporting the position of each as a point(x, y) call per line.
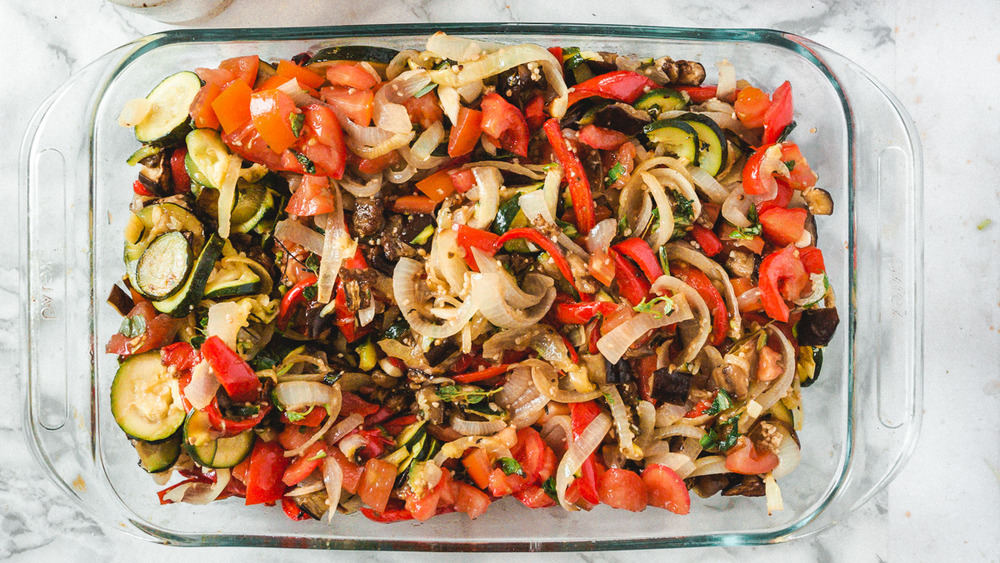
point(581, 415)
point(230, 427)
point(292, 298)
point(537, 238)
point(314, 417)
point(707, 240)
point(700, 282)
point(698, 94)
point(292, 509)
point(757, 180)
point(503, 122)
point(181, 355)
point(638, 250)
point(576, 176)
point(481, 375)
point(534, 112)
point(236, 376)
point(140, 189)
point(582, 313)
point(781, 274)
point(779, 115)
point(630, 285)
point(601, 138)
point(267, 466)
point(468, 237)
point(621, 85)
point(812, 260)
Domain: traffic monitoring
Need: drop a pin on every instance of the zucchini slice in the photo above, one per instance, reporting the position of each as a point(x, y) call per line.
point(207, 158)
point(152, 221)
point(235, 279)
point(678, 137)
point(145, 399)
point(229, 452)
point(184, 300)
point(143, 152)
point(209, 451)
point(167, 120)
point(713, 150)
point(263, 217)
point(378, 57)
point(158, 456)
point(164, 266)
point(660, 100)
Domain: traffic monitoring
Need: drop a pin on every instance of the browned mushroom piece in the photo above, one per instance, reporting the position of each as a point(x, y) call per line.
point(734, 379)
point(740, 263)
point(745, 485)
point(684, 73)
point(819, 201)
point(765, 437)
point(710, 485)
point(368, 219)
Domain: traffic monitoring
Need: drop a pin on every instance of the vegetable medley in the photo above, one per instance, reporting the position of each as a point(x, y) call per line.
point(412, 283)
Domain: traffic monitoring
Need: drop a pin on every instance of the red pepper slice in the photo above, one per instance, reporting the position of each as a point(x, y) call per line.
point(230, 427)
point(779, 115)
point(576, 176)
point(505, 123)
point(706, 239)
point(534, 112)
point(292, 510)
point(468, 237)
point(537, 238)
point(481, 375)
point(700, 282)
point(236, 376)
point(292, 298)
point(700, 408)
point(698, 94)
point(140, 189)
point(630, 285)
point(621, 85)
point(267, 466)
point(582, 313)
point(638, 250)
point(601, 138)
point(781, 275)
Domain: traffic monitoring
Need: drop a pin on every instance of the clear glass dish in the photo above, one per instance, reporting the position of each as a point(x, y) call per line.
point(862, 416)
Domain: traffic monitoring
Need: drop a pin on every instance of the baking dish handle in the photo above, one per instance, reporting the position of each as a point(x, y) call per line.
point(886, 314)
point(55, 216)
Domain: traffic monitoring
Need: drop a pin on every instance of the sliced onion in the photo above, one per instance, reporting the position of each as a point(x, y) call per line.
point(488, 180)
point(771, 165)
point(665, 226)
point(546, 380)
point(427, 142)
point(134, 111)
point(716, 273)
point(448, 97)
point(789, 454)
point(343, 428)
point(553, 179)
point(225, 320)
point(550, 346)
point(647, 422)
point(773, 493)
point(511, 293)
point(709, 185)
point(533, 171)
point(227, 194)
point(679, 430)
point(337, 245)
point(292, 231)
point(778, 388)
point(679, 182)
point(296, 92)
point(506, 58)
point(726, 90)
point(476, 427)
point(579, 451)
point(333, 480)
point(203, 385)
point(469, 92)
point(402, 175)
point(367, 314)
point(446, 261)
point(369, 189)
point(748, 297)
point(697, 341)
point(557, 431)
point(308, 485)
point(199, 492)
point(494, 445)
point(412, 356)
point(709, 465)
point(499, 312)
point(668, 414)
point(350, 445)
point(623, 423)
point(517, 383)
point(599, 238)
point(528, 412)
point(398, 63)
point(421, 164)
point(614, 344)
point(458, 49)
point(296, 395)
point(678, 462)
point(535, 207)
point(319, 433)
point(405, 284)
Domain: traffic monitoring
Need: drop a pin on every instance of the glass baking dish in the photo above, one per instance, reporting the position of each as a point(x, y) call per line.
point(862, 416)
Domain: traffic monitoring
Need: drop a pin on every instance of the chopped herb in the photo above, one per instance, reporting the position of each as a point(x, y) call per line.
point(684, 213)
point(650, 307)
point(424, 235)
point(609, 399)
point(623, 225)
point(614, 174)
point(294, 416)
point(310, 292)
point(307, 164)
point(788, 131)
point(549, 486)
point(722, 402)
point(396, 329)
point(296, 120)
point(312, 263)
point(332, 377)
point(133, 326)
point(319, 455)
point(198, 340)
point(753, 230)
point(985, 223)
point(568, 229)
point(425, 90)
point(664, 260)
point(790, 164)
point(510, 466)
point(469, 395)
point(715, 439)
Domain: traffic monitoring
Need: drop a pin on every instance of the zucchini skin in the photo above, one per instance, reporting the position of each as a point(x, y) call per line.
point(185, 300)
point(164, 266)
point(713, 149)
point(168, 121)
point(128, 408)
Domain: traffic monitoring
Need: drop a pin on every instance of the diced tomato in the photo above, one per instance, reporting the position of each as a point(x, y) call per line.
point(352, 471)
point(313, 418)
point(801, 176)
point(201, 108)
point(741, 286)
point(247, 143)
point(624, 157)
point(313, 197)
point(779, 115)
point(665, 489)
point(292, 437)
point(351, 403)
point(503, 122)
point(812, 260)
point(534, 112)
point(232, 106)
point(502, 484)
point(414, 204)
point(376, 483)
point(322, 142)
point(601, 138)
point(781, 199)
point(178, 172)
point(782, 276)
point(750, 106)
point(423, 507)
point(218, 76)
point(271, 112)
point(465, 132)
point(263, 478)
point(378, 164)
point(477, 464)
point(351, 76)
point(706, 239)
point(534, 497)
point(437, 186)
point(743, 458)
point(303, 75)
point(463, 180)
point(160, 329)
point(305, 464)
point(783, 226)
point(425, 110)
point(531, 453)
point(470, 500)
point(181, 355)
point(356, 104)
point(698, 94)
point(621, 488)
point(388, 516)
point(243, 68)
point(768, 364)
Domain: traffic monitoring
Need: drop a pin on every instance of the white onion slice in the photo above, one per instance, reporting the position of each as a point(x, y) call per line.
point(726, 90)
point(296, 92)
point(779, 388)
point(695, 343)
point(716, 273)
point(557, 431)
point(427, 142)
point(527, 413)
point(488, 180)
point(459, 49)
point(225, 320)
point(399, 63)
point(623, 423)
point(546, 379)
point(405, 286)
point(203, 385)
point(535, 207)
point(709, 465)
point(614, 344)
point(532, 171)
point(227, 194)
point(333, 480)
point(679, 430)
point(668, 414)
point(296, 395)
point(501, 313)
point(292, 231)
point(647, 422)
point(370, 188)
point(134, 111)
point(708, 185)
point(678, 462)
point(665, 226)
point(343, 428)
point(773, 494)
point(200, 493)
point(476, 427)
point(448, 97)
point(337, 246)
point(789, 454)
point(581, 448)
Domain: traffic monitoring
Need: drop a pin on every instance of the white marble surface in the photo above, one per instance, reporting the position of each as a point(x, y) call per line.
point(941, 58)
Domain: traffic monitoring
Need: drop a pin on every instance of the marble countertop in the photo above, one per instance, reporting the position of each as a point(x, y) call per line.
point(945, 505)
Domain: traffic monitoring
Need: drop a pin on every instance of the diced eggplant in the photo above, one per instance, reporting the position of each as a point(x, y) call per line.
point(620, 372)
point(120, 300)
point(368, 217)
point(817, 326)
point(745, 485)
point(819, 201)
point(686, 73)
point(741, 263)
point(734, 379)
point(622, 117)
point(710, 485)
point(313, 504)
point(670, 386)
point(440, 353)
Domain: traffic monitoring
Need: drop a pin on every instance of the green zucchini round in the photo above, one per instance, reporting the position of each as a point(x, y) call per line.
point(168, 120)
point(145, 400)
point(164, 266)
point(679, 138)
